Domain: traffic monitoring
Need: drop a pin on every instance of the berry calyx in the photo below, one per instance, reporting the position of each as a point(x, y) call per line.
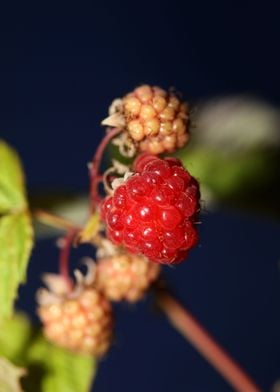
point(156, 120)
point(125, 276)
point(79, 320)
point(153, 212)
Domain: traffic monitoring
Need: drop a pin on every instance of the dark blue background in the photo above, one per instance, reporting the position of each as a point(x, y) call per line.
point(60, 68)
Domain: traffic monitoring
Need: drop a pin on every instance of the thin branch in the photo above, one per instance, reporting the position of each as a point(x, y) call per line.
point(65, 249)
point(95, 166)
point(184, 322)
point(55, 221)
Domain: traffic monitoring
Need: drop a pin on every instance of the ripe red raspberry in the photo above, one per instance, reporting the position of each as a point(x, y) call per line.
point(154, 211)
point(156, 120)
point(125, 276)
point(79, 320)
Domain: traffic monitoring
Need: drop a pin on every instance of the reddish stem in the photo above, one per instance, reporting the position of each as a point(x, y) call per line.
point(95, 165)
point(183, 321)
point(65, 255)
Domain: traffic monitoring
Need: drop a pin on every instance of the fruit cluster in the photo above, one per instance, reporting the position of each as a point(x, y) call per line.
point(125, 276)
point(157, 121)
point(79, 319)
point(150, 219)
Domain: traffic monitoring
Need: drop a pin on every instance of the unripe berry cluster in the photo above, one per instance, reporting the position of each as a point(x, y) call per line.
point(125, 276)
point(79, 320)
point(157, 121)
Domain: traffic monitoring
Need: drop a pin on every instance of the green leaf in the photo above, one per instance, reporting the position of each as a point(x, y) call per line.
point(224, 174)
point(16, 237)
point(10, 376)
point(248, 180)
point(15, 334)
point(12, 188)
point(16, 233)
point(235, 154)
point(60, 370)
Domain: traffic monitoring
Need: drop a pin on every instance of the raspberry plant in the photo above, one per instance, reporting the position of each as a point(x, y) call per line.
point(142, 216)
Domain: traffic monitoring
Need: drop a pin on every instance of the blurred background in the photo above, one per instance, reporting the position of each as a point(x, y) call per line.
point(60, 68)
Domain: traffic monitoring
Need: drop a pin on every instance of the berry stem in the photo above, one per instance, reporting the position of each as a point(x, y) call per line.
point(65, 254)
point(95, 165)
point(184, 322)
point(55, 221)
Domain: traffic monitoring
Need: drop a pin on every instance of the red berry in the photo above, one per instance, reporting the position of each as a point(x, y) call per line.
point(170, 217)
point(130, 219)
point(106, 206)
point(174, 238)
point(153, 212)
point(115, 235)
point(115, 219)
point(152, 178)
point(140, 162)
point(173, 161)
point(120, 198)
point(137, 188)
point(130, 237)
point(186, 204)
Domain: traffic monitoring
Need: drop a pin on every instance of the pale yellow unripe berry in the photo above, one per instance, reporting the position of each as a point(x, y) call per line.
point(125, 277)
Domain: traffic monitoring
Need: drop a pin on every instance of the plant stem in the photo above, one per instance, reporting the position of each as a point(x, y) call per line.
point(65, 254)
point(95, 165)
point(184, 322)
point(55, 221)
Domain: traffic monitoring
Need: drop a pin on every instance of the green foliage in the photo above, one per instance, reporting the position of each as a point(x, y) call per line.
point(16, 233)
point(241, 179)
point(15, 334)
point(12, 189)
point(235, 154)
point(224, 174)
point(16, 242)
point(49, 368)
point(58, 369)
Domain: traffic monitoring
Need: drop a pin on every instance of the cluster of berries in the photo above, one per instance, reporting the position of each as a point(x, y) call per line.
point(155, 120)
point(150, 218)
point(80, 318)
